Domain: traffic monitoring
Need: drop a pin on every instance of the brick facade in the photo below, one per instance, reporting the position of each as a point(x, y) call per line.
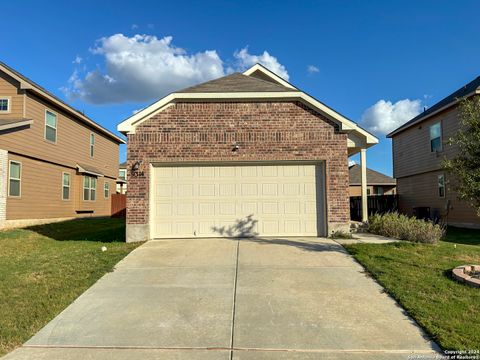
point(264, 131)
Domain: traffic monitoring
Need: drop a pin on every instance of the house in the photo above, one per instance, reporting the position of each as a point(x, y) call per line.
point(246, 154)
point(419, 147)
point(55, 162)
point(122, 178)
point(377, 183)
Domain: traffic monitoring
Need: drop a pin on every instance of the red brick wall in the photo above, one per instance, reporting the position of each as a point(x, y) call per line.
point(263, 131)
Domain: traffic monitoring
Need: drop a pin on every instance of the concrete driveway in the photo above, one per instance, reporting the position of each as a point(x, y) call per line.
point(289, 298)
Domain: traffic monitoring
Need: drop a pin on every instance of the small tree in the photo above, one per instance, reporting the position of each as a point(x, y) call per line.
point(465, 166)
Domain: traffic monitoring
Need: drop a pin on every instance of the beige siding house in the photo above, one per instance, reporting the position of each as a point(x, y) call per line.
point(419, 147)
point(55, 162)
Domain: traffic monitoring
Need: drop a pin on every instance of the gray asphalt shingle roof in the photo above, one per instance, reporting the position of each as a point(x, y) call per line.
point(236, 82)
point(373, 177)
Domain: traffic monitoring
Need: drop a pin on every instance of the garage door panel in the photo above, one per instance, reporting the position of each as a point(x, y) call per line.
point(268, 200)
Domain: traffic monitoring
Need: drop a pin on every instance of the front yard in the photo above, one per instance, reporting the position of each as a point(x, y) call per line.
point(418, 277)
point(44, 268)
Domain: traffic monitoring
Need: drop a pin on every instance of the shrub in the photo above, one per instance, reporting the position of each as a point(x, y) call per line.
point(405, 228)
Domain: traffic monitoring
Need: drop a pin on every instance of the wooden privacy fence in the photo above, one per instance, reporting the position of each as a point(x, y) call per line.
point(119, 205)
point(376, 204)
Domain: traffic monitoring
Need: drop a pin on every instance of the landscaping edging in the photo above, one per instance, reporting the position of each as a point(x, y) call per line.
point(462, 274)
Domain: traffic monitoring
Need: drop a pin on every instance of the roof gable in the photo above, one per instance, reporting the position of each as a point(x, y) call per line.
point(236, 82)
point(465, 91)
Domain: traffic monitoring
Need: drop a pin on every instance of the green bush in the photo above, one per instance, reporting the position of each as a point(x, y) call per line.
point(405, 228)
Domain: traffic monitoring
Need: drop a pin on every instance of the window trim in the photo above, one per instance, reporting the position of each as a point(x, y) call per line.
point(106, 187)
point(64, 186)
point(92, 146)
point(9, 104)
point(45, 127)
point(440, 187)
point(19, 179)
point(90, 188)
point(439, 137)
point(124, 177)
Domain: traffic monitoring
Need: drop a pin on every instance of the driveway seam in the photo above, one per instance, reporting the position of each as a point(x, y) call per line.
point(232, 332)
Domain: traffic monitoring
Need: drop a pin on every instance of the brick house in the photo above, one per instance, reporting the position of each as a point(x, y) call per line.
point(247, 154)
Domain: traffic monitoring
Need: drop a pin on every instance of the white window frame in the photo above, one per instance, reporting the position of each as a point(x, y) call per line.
point(64, 186)
point(89, 188)
point(439, 123)
point(106, 190)
point(92, 144)
point(9, 104)
point(120, 177)
point(17, 179)
point(56, 126)
point(441, 176)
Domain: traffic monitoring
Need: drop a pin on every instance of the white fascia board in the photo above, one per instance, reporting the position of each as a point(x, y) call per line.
point(270, 74)
point(128, 126)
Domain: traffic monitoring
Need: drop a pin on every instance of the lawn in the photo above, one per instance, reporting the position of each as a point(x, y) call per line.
point(418, 277)
point(44, 268)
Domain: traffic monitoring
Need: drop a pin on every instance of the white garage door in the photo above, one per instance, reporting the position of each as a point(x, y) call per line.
point(230, 201)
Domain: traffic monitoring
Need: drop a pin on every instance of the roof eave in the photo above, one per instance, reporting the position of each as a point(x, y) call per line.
point(16, 124)
point(423, 118)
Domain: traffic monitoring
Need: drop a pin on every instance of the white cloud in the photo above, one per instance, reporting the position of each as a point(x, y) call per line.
point(384, 116)
point(351, 162)
point(142, 68)
point(245, 60)
point(134, 26)
point(77, 60)
point(312, 69)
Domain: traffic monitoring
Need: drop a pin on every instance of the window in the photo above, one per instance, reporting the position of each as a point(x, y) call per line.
point(122, 174)
point(92, 144)
point(436, 137)
point(14, 183)
point(441, 186)
point(65, 186)
point(4, 104)
point(379, 190)
point(50, 126)
point(368, 191)
point(106, 189)
point(89, 188)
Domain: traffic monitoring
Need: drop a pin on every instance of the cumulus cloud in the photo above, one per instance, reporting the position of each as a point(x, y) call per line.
point(312, 69)
point(385, 116)
point(351, 162)
point(77, 60)
point(142, 68)
point(245, 60)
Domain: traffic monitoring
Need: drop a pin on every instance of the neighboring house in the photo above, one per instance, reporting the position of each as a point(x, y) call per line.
point(419, 147)
point(122, 178)
point(246, 154)
point(55, 163)
point(377, 183)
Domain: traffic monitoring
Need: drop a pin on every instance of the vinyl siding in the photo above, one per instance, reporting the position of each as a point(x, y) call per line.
point(422, 190)
point(411, 148)
point(41, 193)
point(73, 140)
point(9, 88)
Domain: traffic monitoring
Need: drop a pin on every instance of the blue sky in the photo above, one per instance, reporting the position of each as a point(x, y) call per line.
point(362, 54)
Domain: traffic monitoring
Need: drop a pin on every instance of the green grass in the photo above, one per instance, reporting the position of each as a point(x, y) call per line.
point(44, 268)
point(418, 277)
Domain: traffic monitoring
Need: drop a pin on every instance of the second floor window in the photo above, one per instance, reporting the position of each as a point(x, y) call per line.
point(89, 188)
point(122, 174)
point(436, 137)
point(50, 126)
point(92, 144)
